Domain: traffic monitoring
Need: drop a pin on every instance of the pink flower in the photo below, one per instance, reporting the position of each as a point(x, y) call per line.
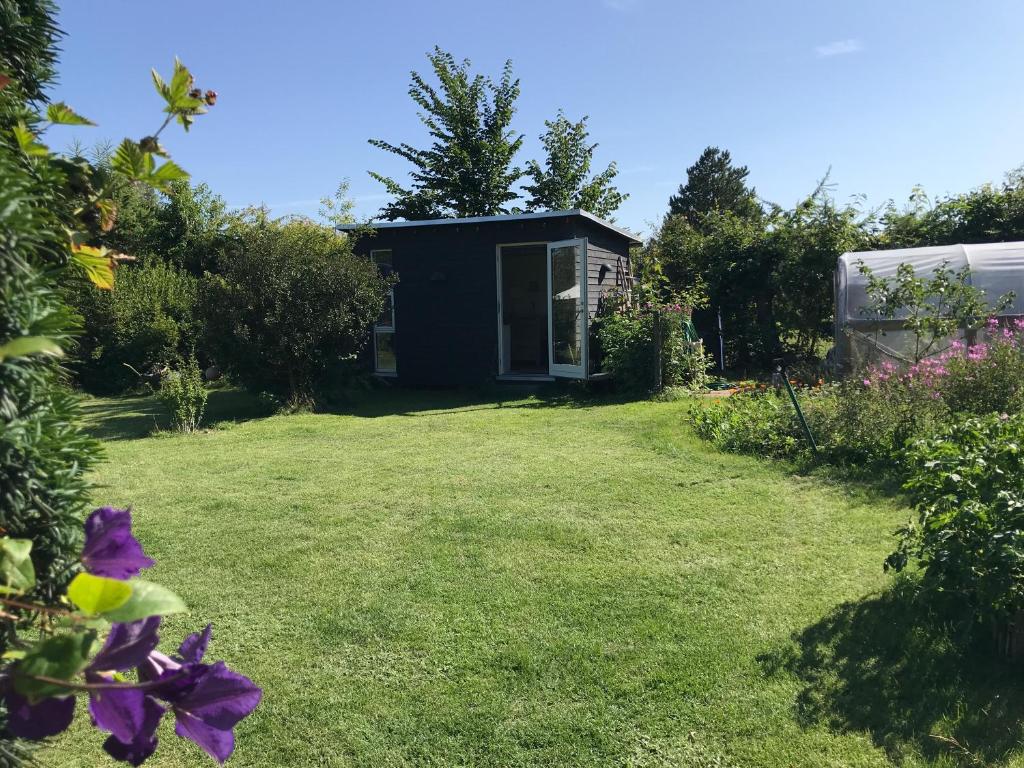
point(867, 382)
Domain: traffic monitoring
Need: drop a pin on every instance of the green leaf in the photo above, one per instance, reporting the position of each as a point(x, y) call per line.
point(26, 346)
point(129, 160)
point(180, 82)
point(27, 141)
point(16, 569)
point(160, 85)
point(132, 161)
point(96, 264)
point(60, 657)
point(61, 114)
point(166, 173)
point(95, 595)
point(147, 599)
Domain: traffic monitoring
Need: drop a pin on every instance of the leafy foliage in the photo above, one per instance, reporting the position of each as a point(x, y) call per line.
point(43, 455)
point(184, 227)
point(967, 483)
point(146, 323)
point(291, 304)
point(564, 182)
point(934, 308)
point(468, 170)
point(991, 213)
point(769, 275)
point(28, 55)
point(628, 341)
point(714, 184)
point(184, 394)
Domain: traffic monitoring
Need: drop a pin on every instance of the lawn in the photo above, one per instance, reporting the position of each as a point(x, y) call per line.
point(438, 579)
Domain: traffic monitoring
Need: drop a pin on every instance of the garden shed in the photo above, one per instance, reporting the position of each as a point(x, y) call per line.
point(995, 268)
point(508, 297)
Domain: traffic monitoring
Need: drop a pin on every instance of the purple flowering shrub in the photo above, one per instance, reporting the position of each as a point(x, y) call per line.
point(129, 685)
point(987, 377)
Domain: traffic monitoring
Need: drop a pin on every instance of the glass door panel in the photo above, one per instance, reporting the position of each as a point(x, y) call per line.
point(567, 311)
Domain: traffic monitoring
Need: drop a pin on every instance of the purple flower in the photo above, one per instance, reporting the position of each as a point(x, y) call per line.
point(210, 710)
point(207, 700)
point(110, 549)
point(127, 646)
point(38, 721)
point(135, 750)
point(127, 713)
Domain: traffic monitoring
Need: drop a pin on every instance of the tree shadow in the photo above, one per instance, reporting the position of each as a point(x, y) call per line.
point(897, 668)
point(135, 417)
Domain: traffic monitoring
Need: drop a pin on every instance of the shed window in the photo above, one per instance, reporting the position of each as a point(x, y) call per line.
point(384, 360)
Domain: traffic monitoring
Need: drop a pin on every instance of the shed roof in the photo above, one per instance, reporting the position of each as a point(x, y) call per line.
point(512, 217)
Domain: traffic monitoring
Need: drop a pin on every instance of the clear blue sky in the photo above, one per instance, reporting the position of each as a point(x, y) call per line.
point(888, 94)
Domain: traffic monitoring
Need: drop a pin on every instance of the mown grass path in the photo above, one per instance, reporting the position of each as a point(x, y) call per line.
point(426, 580)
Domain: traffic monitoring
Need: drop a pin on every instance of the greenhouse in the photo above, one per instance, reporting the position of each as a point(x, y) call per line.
point(995, 268)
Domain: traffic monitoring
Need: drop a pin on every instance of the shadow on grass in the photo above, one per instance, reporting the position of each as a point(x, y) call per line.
point(134, 417)
point(891, 667)
point(131, 418)
point(399, 401)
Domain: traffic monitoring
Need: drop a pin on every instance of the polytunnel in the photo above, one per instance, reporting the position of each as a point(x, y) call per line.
point(995, 268)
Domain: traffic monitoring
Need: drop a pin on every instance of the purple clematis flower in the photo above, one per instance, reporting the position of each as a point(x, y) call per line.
point(207, 700)
point(38, 721)
point(110, 549)
point(127, 713)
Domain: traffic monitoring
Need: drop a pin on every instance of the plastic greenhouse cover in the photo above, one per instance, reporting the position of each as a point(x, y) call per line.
point(996, 268)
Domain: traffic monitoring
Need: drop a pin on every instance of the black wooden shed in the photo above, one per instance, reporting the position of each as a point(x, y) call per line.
point(494, 297)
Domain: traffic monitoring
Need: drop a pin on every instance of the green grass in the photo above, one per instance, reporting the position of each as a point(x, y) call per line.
point(435, 579)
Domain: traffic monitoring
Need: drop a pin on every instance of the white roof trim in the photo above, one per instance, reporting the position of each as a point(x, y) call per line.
point(504, 217)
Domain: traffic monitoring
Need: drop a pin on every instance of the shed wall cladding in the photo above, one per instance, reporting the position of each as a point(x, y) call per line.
point(446, 311)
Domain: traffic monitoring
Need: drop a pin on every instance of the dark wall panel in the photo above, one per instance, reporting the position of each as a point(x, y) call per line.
point(446, 308)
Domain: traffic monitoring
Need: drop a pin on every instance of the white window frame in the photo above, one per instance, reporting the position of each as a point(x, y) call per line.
point(388, 329)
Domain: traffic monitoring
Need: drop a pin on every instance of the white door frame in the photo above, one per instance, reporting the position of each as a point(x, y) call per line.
point(561, 369)
point(501, 309)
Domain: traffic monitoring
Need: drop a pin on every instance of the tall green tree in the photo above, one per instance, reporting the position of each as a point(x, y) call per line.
point(713, 183)
point(990, 213)
point(468, 169)
point(564, 181)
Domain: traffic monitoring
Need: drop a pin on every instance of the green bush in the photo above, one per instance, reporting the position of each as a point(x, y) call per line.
point(148, 321)
point(967, 483)
point(292, 304)
point(986, 377)
point(870, 425)
point(852, 424)
point(183, 393)
point(762, 424)
point(627, 344)
point(43, 453)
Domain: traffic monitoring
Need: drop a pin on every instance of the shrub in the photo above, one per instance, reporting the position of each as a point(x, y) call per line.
point(986, 377)
point(628, 339)
point(762, 424)
point(292, 303)
point(184, 394)
point(868, 421)
point(967, 483)
point(148, 321)
point(43, 452)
